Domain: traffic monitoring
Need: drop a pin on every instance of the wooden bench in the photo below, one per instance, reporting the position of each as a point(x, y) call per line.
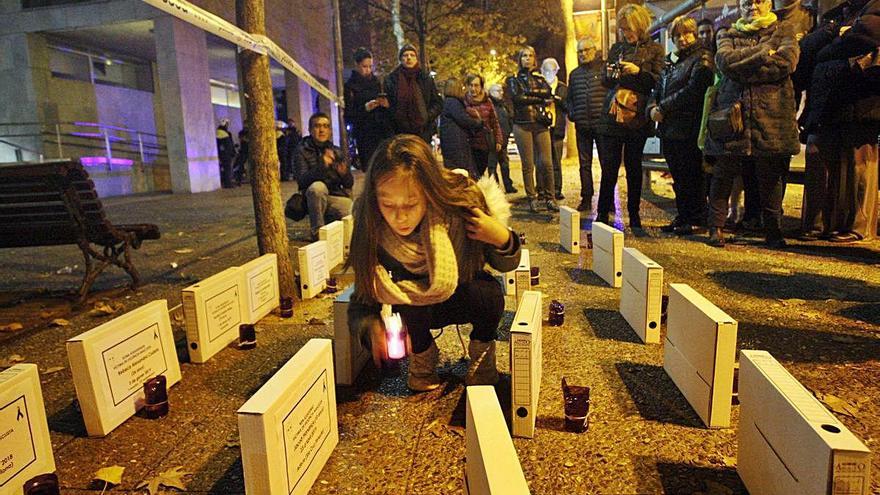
point(55, 203)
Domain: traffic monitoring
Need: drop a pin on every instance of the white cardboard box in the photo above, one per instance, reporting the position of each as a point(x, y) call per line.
point(641, 295)
point(525, 364)
point(789, 443)
point(260, 283)
point(213, 309)
point(111, 362)
point(25, 446)
point(608, 253)
point(313, 269)
point(699, 353)
point(492, 466)
point(334, 234)
point(288, 428)
point(348, 353)
point(348, 225)
point(570, 229)
point(510, 278)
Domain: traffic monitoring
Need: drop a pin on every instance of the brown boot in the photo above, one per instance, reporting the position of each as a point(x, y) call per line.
point(481, 369)
point(716, 237)
point(423, 370)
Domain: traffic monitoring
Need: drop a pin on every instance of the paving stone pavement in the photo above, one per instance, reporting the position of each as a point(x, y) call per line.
point(814, 306)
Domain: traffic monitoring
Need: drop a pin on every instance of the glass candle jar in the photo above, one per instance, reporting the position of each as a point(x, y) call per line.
point(536, 275)
point(247, 336)
point(557, 314)
point(43, 484)
point(156, 397)
point(395, 336)
point(287, 307)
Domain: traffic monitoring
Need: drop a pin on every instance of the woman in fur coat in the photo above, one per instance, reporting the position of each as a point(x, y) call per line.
point(423, 235)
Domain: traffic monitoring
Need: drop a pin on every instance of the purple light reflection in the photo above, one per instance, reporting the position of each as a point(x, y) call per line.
point(101, 161)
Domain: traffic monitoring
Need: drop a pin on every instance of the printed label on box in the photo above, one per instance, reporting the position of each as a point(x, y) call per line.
point(306, 427)
point(132, 362)
point(17, 446)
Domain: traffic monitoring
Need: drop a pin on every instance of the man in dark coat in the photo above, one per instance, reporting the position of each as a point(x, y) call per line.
point(496, 93)
point(841, 123)
point(549, 69)
point(414, 101)
point(323, 174)
point(226, 154)
point(586, 96)
point(366, 107)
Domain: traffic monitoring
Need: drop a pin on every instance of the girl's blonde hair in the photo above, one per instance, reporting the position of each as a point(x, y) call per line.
point(683, 24)
point(453, 87)
point(637, 17)
point(446, 192)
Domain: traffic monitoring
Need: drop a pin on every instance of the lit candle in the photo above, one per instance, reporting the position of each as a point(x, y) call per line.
point(395, 336)
point(155, 397)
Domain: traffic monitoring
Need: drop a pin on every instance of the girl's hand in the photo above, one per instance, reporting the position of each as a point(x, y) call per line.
point(629, 68)
point(484, 228)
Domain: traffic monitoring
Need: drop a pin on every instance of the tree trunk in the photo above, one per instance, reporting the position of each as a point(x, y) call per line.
point(570, 64)
point(395, 23)
point(340, 82)
point(265, 183)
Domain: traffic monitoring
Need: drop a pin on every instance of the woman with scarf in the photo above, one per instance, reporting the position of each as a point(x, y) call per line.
point(423, 239)
point(676, 106)
point(530, 95)
point(412, 94)
point(634, 65)
point(488, 138)
point(366, 108)
point(751, 126)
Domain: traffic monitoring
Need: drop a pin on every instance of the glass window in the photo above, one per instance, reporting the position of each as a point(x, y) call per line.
point(65, 64)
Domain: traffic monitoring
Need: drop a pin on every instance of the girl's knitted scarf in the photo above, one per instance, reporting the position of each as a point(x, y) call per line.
point(433, 250)
point(756, 24)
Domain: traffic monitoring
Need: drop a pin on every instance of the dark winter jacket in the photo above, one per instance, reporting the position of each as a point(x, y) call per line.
point(839, 92)
point(225, 145)
point(480, 139)
point(309, 167)
point(586, 94)
point(680, 92)
point(529, 93)
point(648, 56)
point(557, 131)
point(373, 125)
point(432, 98)
point(456, 125)
point(504, 120)
point(756, 71)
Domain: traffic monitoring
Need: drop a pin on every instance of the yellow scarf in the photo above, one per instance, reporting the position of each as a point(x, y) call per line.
point(757, 24)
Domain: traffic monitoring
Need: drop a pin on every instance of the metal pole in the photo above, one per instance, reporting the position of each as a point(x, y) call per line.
point(58, 138)
point(605, 34)
point(107, 149)
point(340, 86)
point(141, 147)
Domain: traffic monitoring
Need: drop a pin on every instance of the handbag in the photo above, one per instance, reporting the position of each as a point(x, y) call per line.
point(727, 124)
point(544, 118)
point(628, 108)
point(296, 207)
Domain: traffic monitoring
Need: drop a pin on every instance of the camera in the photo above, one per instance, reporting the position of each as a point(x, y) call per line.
point(613, 70)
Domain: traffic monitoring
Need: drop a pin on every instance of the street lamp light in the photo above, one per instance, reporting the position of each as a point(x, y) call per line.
point(492, 52)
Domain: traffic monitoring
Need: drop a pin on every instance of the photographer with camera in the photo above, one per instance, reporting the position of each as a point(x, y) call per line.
point(634, 67)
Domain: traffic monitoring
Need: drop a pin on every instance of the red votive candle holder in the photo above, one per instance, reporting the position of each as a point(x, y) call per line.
point(557, 314)
point(287, 307)
point(577, 407)
point(536, 275)
point(155, 397)
point(247, 336)
point(332, 285)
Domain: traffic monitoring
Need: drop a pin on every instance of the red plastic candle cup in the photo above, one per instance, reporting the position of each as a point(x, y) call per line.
point(536, 275)
point(287, 307)
point(395, 337)
point(43, 484)
point(156, 397)
point(577, 407)
point(247, 336)
point(557, 314)
point(331, 285)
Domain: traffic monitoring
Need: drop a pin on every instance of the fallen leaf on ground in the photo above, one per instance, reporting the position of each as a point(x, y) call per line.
point(59, 322)
point(11, 327)
point(784, 271)
point(53, 369)
point(102, 309)
point(112, 474)
point(838, 405)
point(11, 360)
point(45, 315)
point(183, 251)
point(233, 442)
point(568, 464)
point(317, 321)
point(168, 479)
point(792, 302)
point(173, 264)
